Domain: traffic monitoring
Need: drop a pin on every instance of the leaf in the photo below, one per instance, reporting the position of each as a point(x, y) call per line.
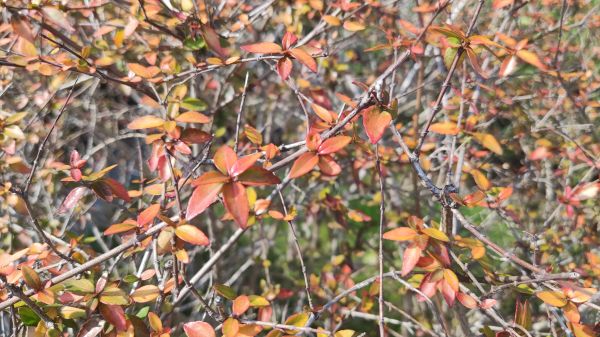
point(571, 312)
point(451, 278)
point(400, 234)
point(508, 66)
point(144, 72)
point(225, 159)
point(194, 104)
point(258, 176)
point(258, 301)
point(303, 57)
point(263, 48)
point(145, 294)
point(225, 291)
point(333, 144)
point(353, 26)
point(118, 189)
point(328, 166)
point(284, 68)
point(120, 228)
point(80, 286)
point(467, 300)
point(580, 330)
point(72, 312)
point(332, 20)
point(236, 202)
point(410, 258)
point(523, 314)
point(202, 197)
point(323, 113)
point(72, 199)
point(445, 128)
point(481, 180)
point(552, 298)
point(113, 295)
point(244, 163)
point(303, 164)
point(344, 333)
point(375, 122)
point(146, 122)
point(231, 326)
point(14, 132)
point(31, 278)
point(198, 329)
point(582, 295)
point(482, 40)
point(531, 58)
point(115, 315)
point(148, 215)
point(435, 234)
point(488, 141)
point(192, 234)
point(297, 320)
point(192, 117)
point(240, 305)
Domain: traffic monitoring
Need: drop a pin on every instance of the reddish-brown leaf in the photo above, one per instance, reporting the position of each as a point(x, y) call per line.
point(284, 68)
point(192, 234)
point(258, 176)
point(209, 178)
point(236, 202)
point(263, 48)
point(333, 144)
point(114, 315)
point(475, 62)
point(303, 57)
point(303, 164)
point(202, 197)
point(410, 258)
point(118, 189)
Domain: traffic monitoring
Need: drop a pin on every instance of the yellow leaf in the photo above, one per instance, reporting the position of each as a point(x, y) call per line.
point(451, 279)
point(481, 180)
point(298, 320)
point(436, 234)
point(444, 128)
point(332, 20)
point(344, 333)
point(258, 301)
point(553, 298)
point(72, 312)
point(488, 141)
point(145, 293)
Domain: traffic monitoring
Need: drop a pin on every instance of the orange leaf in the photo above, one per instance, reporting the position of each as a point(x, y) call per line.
point(240, 305)
point(323, 113)
point(451, 278)
point(120, 228)
point(148, 215)
point(581, 330)
point(571, 312)
point(236, 202)
point(198, 329)
point(444, 128)
point(481, 180)
point(231, 326)
point(410, 258)
point(115, 315)
point(532, 59)
point(400, 234)
point(304, 164)
point(192, 234)
point(225, 159)
point(31, 278)
point(210, 177)
point(202, 197)
point(284, 68)
point(263, 48)
point(353, 26)
point(192, 117)
point(466, 300)
point(146, 122)
point(304, 58)
point(333, 144)
point(144, 72)
point(508, 66)
point(475, 62)
point(375, 122)
point(328, 166)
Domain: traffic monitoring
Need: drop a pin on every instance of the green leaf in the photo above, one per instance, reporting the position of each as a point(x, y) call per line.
point(143, 312)
point(81, 286)
point(194, 104)
point(28, 316)
point(194, 44)
point(225, 291)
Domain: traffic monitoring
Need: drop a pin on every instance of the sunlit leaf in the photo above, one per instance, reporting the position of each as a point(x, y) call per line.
point(192, 234)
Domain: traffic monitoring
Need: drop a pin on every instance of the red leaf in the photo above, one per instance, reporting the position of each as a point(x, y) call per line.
point(192, 234)
point(334, 144)
point(410, 258)
point(148, 215)
point(375, 123)
point(258, 176)
point(115, 315)
point(72, 199)
point(224, 159)
point(202, 197)
point(213, 41)
point(198, 329)
point(304, 58)
point(304, 164)
point(263, 48)
point(75, 174)
point(236, 202)
point(244, 163)
point(284, 68)
point(288, 40)
point(119, 190)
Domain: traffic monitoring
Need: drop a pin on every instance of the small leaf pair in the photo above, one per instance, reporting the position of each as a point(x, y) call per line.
point(319, 153)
